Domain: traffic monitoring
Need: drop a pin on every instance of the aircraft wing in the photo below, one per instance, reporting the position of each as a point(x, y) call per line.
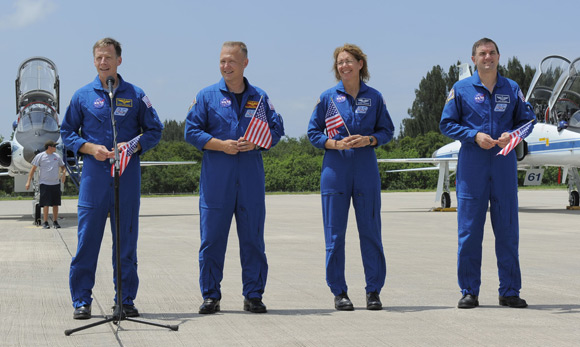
point(415, 169)
point(417, 160)
point(442, 164)
point(158, 163)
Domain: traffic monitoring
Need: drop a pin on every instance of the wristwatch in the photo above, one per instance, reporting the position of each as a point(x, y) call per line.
point(371, 140)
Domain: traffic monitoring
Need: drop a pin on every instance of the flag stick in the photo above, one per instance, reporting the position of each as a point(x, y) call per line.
point(343, 122)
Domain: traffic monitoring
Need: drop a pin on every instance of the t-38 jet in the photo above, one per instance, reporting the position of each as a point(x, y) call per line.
point(555, 141)
point(37, 108)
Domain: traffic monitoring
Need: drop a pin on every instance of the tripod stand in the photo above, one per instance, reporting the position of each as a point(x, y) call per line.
point(118, 312)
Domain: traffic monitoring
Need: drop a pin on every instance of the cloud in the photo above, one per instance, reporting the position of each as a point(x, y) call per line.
point(26, 13)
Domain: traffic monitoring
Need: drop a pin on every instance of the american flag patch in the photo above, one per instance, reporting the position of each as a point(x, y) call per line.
point(147, 102)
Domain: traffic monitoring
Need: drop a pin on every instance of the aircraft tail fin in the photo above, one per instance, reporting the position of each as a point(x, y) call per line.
point(464, 71)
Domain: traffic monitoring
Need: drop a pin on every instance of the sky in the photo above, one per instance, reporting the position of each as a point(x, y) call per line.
point(171, 48)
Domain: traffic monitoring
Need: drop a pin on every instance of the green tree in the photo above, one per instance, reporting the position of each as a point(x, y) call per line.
point(521, 75)
point(173, 131)
point(171, 178)
point(425, 112)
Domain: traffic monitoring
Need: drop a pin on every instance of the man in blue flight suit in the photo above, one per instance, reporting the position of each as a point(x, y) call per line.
point(89, 114)
point(480, 111)
point(232, 178)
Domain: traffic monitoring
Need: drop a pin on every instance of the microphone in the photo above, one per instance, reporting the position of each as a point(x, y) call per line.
point(110, 83)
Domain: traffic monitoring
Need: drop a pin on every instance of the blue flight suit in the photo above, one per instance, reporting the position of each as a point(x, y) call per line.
point(485, 178)
point(352, 174)
point(230, 185)
point(89, 113)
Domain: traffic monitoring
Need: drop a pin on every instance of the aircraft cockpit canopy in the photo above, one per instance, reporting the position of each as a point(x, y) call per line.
point(567, 103)
point(37, 82)
point(551, 70)
point(38, 116)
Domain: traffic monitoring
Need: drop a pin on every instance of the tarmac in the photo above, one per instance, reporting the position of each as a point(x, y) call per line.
point(419, 298)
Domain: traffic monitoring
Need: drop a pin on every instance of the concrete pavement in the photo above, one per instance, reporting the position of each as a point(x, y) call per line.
point(420, 295)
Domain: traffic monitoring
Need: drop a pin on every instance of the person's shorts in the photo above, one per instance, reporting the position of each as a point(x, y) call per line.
point(49, 195)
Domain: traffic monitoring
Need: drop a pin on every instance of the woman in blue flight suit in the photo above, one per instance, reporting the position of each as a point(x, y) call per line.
point(350, 170)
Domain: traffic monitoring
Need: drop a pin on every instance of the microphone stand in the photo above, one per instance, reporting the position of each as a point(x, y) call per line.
point(118, 312)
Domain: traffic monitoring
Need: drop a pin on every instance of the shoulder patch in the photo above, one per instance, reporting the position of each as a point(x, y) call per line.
point(192, 104)
point(147, 102)
point(451, 95)
point(317, 102)
point(521, 95)
point(271, 105)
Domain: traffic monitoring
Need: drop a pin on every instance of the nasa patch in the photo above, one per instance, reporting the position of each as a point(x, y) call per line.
point(121, 111)
point(361, 109)
point(99, 103)
point(226, 102)
point(340, 98)
point(479, 98)
point(500, 107)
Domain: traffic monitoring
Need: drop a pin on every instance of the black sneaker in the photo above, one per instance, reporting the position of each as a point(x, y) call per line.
point(56, 225)
point(45, 225)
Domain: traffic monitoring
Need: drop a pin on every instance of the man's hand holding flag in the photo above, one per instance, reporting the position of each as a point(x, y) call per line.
point(516, 137)
point(125, 153)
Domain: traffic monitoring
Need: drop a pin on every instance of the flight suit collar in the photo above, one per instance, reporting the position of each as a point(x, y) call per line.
point(363, 87)
point(98, 86)
point(249, 89)
point(498, 84)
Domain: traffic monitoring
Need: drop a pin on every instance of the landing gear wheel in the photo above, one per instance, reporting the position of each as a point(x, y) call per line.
point(37, 214)
point(574, 198)
point(445, 200)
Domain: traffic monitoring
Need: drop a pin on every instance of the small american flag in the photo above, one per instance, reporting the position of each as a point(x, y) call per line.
point(258, 131)
point(125, 153)
point(333, 120)
point(516, 137)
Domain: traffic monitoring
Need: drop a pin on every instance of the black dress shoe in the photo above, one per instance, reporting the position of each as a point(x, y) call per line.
point(130, 311)
point(254, 305)
point(83, 312)
point(468, 301)
point(210, 305)
point(343, 303)
point(373, 301)
point(512, 301)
